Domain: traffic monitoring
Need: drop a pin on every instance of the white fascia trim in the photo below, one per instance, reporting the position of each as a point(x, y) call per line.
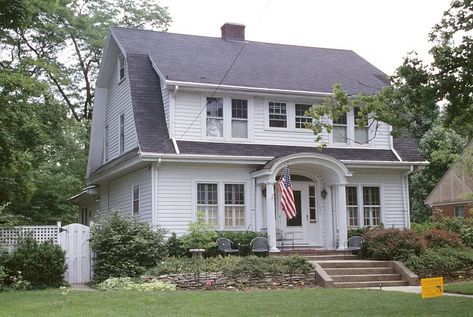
point(205, 158)
point(245, 88)
point(457, 202)
point(397, 155)
point(113, 170)
point(176, 147)
point(384, 163)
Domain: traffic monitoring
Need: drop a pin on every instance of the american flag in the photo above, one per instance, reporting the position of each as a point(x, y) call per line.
point(287, 196)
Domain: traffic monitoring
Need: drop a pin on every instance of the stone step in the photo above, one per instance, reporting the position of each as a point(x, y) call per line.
point(352, 264)
point(359, 270)
point(366, 277)
point(369, 284)
point(330, 257)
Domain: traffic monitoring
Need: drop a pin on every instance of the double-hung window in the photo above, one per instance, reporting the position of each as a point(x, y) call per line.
point(121, 67)
point(214, 121)
point(352, 206)
point(105, 144)
point(340, 129)
point(459, 211)
point(277, 114)
point(122, 133)
point(234, 205)
point(239, 118)
point(136, 199)
point(301, 118)
point(361, 133)
point(207, 202)
point(371, 206)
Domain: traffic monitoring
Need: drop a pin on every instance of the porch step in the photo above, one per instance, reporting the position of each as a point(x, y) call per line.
point(366, 277)
point(358, 270)
point(369, 284)
point(331, 257)
point(353, 264)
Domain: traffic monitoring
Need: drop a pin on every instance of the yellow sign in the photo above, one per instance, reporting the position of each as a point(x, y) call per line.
point(432, 287)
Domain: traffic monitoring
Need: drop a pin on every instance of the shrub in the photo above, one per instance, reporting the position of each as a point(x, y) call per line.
point(3, 276)
point(422, 227)
point(437, 238)
point(128, 284)
point(441, 261)
point(125, 248)
point(174, 247)
point(200, 235)
point(235, 266)
point(35, 264)
point(391, 244)
point(358, 231)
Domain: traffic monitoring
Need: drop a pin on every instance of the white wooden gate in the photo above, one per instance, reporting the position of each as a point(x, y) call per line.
point(74, 240)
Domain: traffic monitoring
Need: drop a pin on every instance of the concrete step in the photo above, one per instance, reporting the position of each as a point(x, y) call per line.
point(366, 277)
point(331, 257)
point(359, 270)
point(353, 264)
point(369, 284)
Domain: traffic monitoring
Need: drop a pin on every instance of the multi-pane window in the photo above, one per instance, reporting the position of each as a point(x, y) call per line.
point(136, 199)
point(352, 206)
point(301, 118)
point(277, 114)
point(459, 211)
point(105, 144)
point(214, 117)
point(340, 129)
point(121, 67)
point(122, 133)
point(207, 202)
point(239, 118)
point(361, 134)
point(234, 205)
point(312, 208)
point(371, 206)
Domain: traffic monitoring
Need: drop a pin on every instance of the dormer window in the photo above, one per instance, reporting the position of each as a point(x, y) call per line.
point(121, 67)
point(277, 115)
point(239, 118)
point(361, 134)
point(340, 129)
point(214, 117)
point(301, 118)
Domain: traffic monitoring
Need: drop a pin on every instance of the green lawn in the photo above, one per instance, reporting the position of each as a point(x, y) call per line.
point(306, 302)
point(460, 288)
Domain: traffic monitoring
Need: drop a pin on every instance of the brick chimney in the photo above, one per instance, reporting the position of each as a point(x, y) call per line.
point(233, 31)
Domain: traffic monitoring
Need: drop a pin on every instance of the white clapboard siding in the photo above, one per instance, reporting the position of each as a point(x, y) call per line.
point(393, 199)
point(119, 102)
point(176, 191)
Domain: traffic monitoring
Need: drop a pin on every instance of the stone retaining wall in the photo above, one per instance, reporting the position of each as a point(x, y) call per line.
point(218, 280)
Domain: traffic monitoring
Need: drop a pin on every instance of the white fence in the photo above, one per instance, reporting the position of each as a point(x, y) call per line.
point(73, 239)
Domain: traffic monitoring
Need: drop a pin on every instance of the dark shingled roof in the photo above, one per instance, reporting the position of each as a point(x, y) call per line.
point(406, 147)
point(211, 148)
point(202, 59)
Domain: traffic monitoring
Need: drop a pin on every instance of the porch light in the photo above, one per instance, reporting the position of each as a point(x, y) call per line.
point(323, 193)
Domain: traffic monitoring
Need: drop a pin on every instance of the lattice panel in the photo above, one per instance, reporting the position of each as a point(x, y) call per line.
point(41, 234)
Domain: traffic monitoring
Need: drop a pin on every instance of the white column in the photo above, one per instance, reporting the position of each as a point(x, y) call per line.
point(259, 207)
point(342, 217)
point(329, 219)
point(271, 217)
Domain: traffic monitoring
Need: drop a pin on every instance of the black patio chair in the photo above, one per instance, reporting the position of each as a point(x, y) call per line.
point(225, 246)
point(259, 245)
point(354, 244)
point(283, 237)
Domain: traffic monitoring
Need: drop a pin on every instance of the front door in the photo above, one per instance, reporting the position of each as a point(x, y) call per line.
point(304, 225)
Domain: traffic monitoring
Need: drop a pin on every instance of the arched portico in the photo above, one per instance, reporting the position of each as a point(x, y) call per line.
point(329, 175)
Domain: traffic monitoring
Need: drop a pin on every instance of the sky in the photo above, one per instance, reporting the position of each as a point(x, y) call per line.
point(381, 31)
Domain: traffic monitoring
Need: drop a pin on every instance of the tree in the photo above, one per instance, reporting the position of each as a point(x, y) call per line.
point(453, 65)
point(64, 41)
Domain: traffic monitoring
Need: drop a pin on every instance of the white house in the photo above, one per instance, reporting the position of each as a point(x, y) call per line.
point(190, 123)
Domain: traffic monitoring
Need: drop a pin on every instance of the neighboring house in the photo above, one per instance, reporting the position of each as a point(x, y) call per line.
point(450, 193)
point(181, 125)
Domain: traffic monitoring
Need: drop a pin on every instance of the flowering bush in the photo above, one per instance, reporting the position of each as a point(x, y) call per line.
point(437, 238)
point(128, 284)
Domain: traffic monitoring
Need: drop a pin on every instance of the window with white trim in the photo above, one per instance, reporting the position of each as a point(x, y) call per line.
point(277, 114)
point(207, 202)
point(340, 128)
point(301, 117)
point(352, 206)
point(214, 123)
point(459, 211)
point(136, 199)
point(371, 206)
point(234, 205)
point(361, 133)
point(122, 133)
point(121, 67)
point(239, 118)
point(312, 204)
point(105, 144)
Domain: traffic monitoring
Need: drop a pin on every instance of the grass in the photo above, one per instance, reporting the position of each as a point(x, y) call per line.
point(460, 288)
point(303, 302)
